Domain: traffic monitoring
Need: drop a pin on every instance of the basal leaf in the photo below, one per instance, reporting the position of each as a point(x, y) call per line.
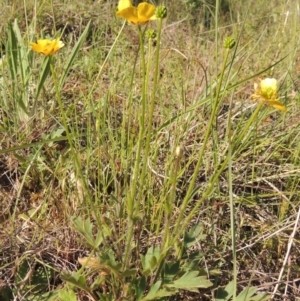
point(149, 261)
point(191, 237)
point(261, 297)
point(170, 271)
point(85, 227)
point(75, 279)
point(156, 293)
point(190, 281)
point(139, 287)
point(246, 294)
point(66, 295)
point(224, 294)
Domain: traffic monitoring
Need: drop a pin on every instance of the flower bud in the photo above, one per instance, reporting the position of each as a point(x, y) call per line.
point(151, 34)
point(178, 151)
point(161, 12)
point(229, 43)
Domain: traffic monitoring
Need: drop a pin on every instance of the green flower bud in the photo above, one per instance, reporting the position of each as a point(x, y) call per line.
point(161, 12)
point(151, 34)
point(229, 43)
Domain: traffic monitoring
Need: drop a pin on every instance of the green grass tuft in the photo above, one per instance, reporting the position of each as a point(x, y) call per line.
point(136, 169)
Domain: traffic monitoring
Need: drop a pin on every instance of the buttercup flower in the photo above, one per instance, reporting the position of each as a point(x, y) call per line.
point(47, 47)
point(124, 4)
point(267, 92)
point(139, 15)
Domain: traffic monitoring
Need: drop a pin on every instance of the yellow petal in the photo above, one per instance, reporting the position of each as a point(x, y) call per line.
point(130, 14)
point(35, 47)
point(269, 84)
point(255, 86)
point(60, 44)
point(57, 45)
point(124, 4)
point(145, 11)
point(269, 88)
point(277, 105)
point(47, 47)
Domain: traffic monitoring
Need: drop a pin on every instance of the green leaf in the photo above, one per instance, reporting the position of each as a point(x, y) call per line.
point(156, 293)
point(193, 236)
point(28, 145)
point(73, 55)
point(78, 281)
point(49, 296)
point(246, 294)
point(41, 278)
point(12, 54)
point(86, 229)
point(170, 271)
point(190, 281)
point(22, 55)
point(261, 297)
point(128, 273)
point(139, 287)
point(45, 70)
point(150, 260)
point(105, 297)
point(224, 294)
point(191, 261)
point(153, 290)
point(6, 294)
point(54, 134)
point(97, 282)
point(33, 277)
point(153, 263)
point(67, 295)
point(160, 294)
point(13, 59)
point(75, 279)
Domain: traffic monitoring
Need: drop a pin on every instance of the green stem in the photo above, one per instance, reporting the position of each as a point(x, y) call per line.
point(132, 203)
point(149, 129)
point(215, 106)
point(136, 169)
point(241, 136)
point(96, 80)
point(231, 202)
point(68, 133)
point(232, 219)
point(169, 201)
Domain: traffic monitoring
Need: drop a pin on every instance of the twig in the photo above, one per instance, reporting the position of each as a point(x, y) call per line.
point(287, 252)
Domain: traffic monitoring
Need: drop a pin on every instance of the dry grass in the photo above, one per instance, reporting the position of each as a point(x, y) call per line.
point(40, 194)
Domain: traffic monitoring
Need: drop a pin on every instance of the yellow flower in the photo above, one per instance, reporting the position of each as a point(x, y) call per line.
point(124, 4)
point(267, 92)
point(47, 47)
point(137, 15)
